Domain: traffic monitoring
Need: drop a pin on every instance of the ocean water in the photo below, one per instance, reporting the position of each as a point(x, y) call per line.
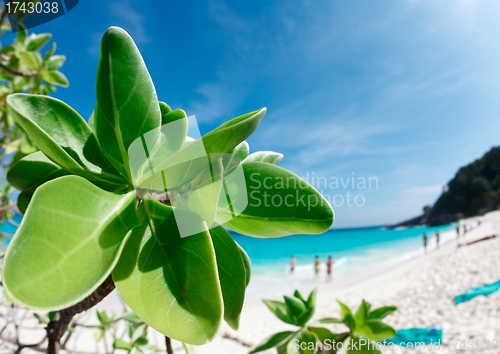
point(352, 249)
point(8, 228)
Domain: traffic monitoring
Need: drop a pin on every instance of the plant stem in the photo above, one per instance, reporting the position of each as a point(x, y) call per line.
point(4, 14)
point(17, 73)
point(7, 207)
point(57, 327)
point(169, 345)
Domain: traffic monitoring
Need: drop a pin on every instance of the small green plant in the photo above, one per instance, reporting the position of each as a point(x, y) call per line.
point(6, 204)
point(362, 327)
point(105, 324)
point(23, 68)
point(108, 204)
point(45, 319)
point(137, 332)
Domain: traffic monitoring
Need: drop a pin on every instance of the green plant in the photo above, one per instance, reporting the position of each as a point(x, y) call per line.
point(105, 324)
point(137, 331)
point(96, 216)
point(45, 319)
point(23, 69)
point(6, 212)
point(363, 326)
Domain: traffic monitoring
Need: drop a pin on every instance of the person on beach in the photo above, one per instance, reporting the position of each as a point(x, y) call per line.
point(329, 264)
point(458, 236)
point(316, 267)
point(425, 243)
point(293, 263)
point(437, 240)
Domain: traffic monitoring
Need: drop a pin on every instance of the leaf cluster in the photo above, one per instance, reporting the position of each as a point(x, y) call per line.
point(103, 198)
point(312, 339)
point(137, 331)
point(23, 68)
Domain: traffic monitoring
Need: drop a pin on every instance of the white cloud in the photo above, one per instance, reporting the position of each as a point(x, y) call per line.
point(218, 101)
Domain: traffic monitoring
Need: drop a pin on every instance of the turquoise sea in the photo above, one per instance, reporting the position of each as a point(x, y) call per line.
point(352, 249)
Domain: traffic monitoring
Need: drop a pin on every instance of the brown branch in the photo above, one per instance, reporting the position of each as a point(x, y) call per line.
point(7, 207)
point(4, 57)
point(57, 327)
point(17, 73)
point(35, 347)
point(168, 343)
point(228, 335)
point(4, 13)
point(63, 345)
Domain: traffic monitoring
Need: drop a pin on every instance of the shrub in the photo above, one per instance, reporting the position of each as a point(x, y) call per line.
point(362, 327)
point(112, 202)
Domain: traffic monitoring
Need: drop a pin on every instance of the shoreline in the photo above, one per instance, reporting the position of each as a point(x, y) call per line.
point(264, 284)
point(421, 286)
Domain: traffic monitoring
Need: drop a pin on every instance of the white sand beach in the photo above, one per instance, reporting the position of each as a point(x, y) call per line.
point(423, 288)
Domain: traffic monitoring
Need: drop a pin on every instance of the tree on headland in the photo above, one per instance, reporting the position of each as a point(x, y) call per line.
point(475, 189)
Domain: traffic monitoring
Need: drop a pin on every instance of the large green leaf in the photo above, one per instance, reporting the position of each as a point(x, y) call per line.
point(174, 130)
point(298, 295)
point(279, 204)
point(164, 109)
point(247, 263)
point(121, 344)
point(311, 300)
point(31, 170)
point(178, 170)
point(226, 137)
point(231, 274)
point(150, 151)
point(304, 317)
point(275, 340)
point(356, 345)
point(127, 106)
point(57, 78)
point(30, 60)
point(29, 173)
point(344, 310)
point(171, 282)
point(376, 330)
point(381, 312)
point(279, 309)
point(24, 199)
point(67, 244)
point(295, 306)
point(328, 339)
point(271, 157)
point(242, 150)
point(36, 42)
point(304, 342)
point(56, 61)
point(329, 320)
point(349, 321)
point(362, 314)
point(202, 198)
point(63, 136)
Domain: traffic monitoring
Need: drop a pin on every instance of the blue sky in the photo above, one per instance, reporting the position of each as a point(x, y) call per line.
point(405, 91)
